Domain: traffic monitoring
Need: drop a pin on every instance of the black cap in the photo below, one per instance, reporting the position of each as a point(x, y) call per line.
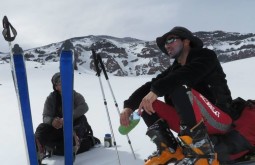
point(55, 79)
point(183, 33)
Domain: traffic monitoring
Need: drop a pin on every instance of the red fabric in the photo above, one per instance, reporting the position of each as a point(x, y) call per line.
point(169, 114)
point(214, 112)
point(246, 127)
point(238, 155)
point(245, 124)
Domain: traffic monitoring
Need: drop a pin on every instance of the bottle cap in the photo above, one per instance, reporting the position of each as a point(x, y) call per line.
point(107, 135)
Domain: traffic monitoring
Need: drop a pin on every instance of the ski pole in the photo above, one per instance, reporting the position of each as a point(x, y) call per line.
point(18, 70)
point(113, 96)
point(105, 102)
point(8, 28)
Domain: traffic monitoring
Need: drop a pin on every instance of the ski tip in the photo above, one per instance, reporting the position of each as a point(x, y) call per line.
point(5, 18)
point(67, 45)
point(17, 49)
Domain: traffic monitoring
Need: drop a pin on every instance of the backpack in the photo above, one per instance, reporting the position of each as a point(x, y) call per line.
point(85, 134)
point(88, 141)
point(244, 122)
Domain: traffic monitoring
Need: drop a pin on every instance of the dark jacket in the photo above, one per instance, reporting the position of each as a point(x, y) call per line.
point(53, 106)
point(201, 72)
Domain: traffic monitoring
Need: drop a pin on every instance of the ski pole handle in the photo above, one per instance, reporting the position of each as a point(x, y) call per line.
point(96, 62)
point(8, 28)
point(102, 66)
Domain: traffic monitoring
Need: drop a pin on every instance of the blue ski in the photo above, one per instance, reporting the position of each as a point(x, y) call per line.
point(21, 86)
point(66, 74)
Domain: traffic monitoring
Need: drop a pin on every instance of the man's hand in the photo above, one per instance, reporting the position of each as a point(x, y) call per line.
point(146, 103)
point(57, 122)
point(124, 116)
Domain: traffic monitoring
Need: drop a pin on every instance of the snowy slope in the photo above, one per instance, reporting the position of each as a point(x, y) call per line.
point(12, 151)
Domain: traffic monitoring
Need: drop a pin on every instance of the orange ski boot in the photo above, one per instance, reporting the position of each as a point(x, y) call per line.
point(197, 147)
point(167, 146)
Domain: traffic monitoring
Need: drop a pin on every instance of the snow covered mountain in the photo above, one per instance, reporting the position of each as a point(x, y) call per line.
point(229, 46)
point(134, 57)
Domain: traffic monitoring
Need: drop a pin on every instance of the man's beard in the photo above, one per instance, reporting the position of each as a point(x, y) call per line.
point(177, 53)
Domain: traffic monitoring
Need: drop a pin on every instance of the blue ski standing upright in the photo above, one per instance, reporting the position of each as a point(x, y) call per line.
point(19, 75)
point(66, 75)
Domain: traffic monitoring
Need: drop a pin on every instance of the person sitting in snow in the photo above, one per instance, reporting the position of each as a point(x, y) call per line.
point(49, 134)
point(197, 102)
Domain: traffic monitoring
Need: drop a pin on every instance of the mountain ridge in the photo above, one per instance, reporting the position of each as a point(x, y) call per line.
point(133, 57)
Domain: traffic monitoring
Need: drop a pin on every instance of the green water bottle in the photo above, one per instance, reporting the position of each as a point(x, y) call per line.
point(133, 121)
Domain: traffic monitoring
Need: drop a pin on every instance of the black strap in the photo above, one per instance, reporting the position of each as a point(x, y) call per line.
point(96, 141)
point(8, 28)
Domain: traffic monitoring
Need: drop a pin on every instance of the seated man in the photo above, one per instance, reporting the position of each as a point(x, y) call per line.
point(49, 134)
point(197, 104)
point(193, 87)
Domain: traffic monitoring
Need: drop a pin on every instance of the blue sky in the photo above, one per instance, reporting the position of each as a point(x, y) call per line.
point(43, 22)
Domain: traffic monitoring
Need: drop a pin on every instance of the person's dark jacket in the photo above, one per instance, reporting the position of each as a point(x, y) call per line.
point(53, 106)
point(202, 72)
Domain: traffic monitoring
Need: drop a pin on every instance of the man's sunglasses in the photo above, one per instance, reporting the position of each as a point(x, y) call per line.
point(171, 40)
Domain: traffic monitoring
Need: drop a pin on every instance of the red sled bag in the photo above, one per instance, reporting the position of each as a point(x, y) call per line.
point(245, 123)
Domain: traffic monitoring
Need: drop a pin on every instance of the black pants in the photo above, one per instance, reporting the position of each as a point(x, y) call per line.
point(52, 137)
